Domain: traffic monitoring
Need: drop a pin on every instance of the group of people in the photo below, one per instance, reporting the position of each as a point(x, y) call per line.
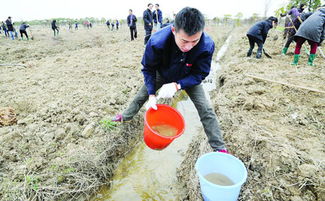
point(108, 24)
point(299, 27)
point(9, 29)
point(153, 20)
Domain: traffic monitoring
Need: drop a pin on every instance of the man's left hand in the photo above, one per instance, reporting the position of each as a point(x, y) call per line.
point(168, 90)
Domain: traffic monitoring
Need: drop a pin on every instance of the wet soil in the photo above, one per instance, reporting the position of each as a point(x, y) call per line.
point(277, 130)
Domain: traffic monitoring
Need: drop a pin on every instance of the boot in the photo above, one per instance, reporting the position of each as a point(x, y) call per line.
point(295, 59)
point(284, 51)
point(258, 55)
point(311, 59)
point(249, 53)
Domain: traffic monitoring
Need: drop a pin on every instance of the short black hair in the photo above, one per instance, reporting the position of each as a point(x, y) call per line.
point(130, 10)
point(302, 5)
point(190, 20)
point(273, 19)
point(157, 4)
point(149, 4)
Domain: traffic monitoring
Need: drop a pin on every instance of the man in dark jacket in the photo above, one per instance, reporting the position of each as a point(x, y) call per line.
point(55, 28)
point(312, 30)
point(4, 28)
point(147, 19)
point(22, 30)
point(131, 20)
point(178, 57)
point(258, 33)
point(157, 17)
point(10, 28)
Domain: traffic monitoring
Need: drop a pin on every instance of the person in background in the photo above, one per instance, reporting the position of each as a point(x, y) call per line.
point(4, 28)
point(108, 24)
point(55, 28)
point(258, 33)
point(295, 19)
point(76, 26)
point(112, 24)
point(131, 20)
point(117, 24)
point(312, 30)
point(157, 17)
point(70, 25)
point(10, 28)
point(179, 57)
point(22, 30)
point(147, 19)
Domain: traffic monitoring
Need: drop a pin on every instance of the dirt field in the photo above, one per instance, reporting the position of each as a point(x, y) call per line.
point(277, 130)
point(59, 148)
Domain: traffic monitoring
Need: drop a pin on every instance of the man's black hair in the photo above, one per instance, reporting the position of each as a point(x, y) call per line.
point(302, 5)
point(190, 20)
point(149, 4)
point(273, 19)
point(130, 10)
point(157, 4)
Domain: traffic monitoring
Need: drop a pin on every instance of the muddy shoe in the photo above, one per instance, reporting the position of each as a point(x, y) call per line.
point(223, 151)
point(118, 118)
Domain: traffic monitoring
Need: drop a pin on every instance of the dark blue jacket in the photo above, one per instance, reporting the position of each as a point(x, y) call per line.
point(132, 19)
point(147, 18)
point(157, 16)
point(23, 27)
point(163, 55)
point(9, 25)
point(260, 30)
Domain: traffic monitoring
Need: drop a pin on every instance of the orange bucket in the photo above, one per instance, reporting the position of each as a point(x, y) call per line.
point(164, 115)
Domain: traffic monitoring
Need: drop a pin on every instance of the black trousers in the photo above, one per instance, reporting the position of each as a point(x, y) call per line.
point(23, 32)
point(148, 30)
point(133, 31)
point(252, 41)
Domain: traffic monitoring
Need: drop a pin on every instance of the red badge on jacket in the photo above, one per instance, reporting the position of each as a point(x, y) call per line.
point(188, 65)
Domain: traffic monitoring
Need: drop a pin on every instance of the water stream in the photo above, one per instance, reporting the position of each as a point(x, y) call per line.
point(147, 174)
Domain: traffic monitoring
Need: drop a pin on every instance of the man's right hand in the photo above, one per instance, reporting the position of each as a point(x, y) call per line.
point(152, 103)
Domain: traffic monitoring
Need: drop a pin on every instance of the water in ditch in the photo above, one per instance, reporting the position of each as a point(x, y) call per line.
point(146, 174)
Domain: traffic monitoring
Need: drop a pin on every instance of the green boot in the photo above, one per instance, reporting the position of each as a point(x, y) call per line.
point(284, 51)
point(311, 59)
point(295, 59)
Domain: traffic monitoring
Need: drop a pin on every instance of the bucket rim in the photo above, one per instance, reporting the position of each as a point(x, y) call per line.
point(238, 184)
point(166, 137)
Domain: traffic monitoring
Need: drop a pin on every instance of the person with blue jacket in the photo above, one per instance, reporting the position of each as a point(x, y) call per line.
point(147, 20)
point(22, 30)
point(258, 33)
point(178, 57)
point(157, 17)
point(132, 20)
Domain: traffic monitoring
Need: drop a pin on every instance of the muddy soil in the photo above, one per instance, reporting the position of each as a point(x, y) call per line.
point(277, 130)
point(60, 145)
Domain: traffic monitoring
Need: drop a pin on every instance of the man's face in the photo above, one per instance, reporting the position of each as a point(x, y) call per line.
point(156, 7)
point(150, 7)
point(185, 42)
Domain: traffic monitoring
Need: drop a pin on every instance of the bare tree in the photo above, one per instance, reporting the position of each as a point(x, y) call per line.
point(267, 5)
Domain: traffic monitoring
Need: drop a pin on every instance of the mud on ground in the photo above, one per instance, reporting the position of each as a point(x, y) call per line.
point(278, 131)
point(57, 148)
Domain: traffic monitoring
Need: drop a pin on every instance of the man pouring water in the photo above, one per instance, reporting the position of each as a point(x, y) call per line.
point(179, 58)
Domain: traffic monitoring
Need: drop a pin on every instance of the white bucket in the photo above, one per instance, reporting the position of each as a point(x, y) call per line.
point(222, 163)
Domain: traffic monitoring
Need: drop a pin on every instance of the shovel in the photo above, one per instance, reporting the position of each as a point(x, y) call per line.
point(266, 54)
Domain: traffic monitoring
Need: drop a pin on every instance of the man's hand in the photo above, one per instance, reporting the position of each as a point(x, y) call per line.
point(151, 103)
point(168, 90)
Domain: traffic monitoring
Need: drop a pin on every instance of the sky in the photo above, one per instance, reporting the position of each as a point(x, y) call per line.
point(21, 10)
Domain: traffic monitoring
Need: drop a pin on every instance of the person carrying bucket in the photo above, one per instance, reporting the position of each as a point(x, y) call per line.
point(178, 57)
point(312, 30)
